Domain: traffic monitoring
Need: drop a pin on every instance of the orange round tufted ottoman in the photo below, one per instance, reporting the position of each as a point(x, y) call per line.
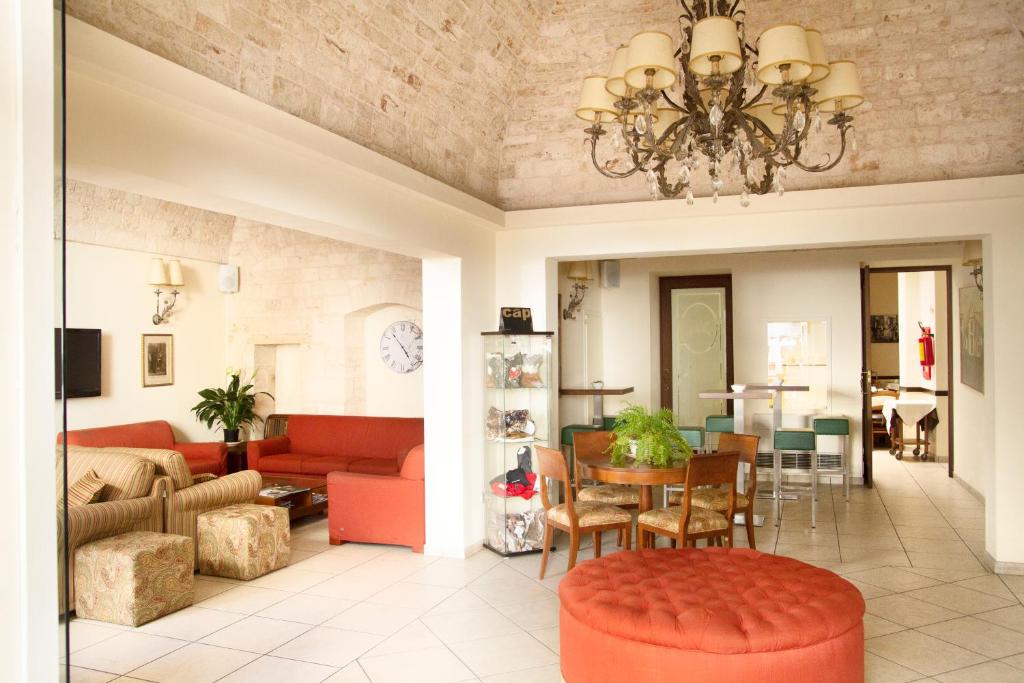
point(710, 615)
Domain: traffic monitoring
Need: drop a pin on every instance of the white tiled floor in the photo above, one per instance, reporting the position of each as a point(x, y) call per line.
point(358, 613)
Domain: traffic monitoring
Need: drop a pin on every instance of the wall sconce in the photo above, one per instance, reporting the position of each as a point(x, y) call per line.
point(160, 275)
point(580, 276)
point(973, 257)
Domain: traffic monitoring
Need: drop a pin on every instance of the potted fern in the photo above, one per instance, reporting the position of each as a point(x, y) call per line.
point(232, 407)
point(650, 438)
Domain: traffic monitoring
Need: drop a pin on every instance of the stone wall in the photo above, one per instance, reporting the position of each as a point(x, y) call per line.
point(943, 81)
point(300, 315)
point(427, 84)
point(107, 217)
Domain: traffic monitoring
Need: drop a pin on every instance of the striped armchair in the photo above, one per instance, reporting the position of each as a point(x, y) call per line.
point(131, 500)
point(188, 495)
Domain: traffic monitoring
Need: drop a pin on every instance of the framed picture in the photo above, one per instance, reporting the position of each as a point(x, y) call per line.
point(972, 338)
point(885, 329)
point(157, 360)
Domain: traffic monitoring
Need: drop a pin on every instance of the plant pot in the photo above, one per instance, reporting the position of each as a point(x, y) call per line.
point(231, 435)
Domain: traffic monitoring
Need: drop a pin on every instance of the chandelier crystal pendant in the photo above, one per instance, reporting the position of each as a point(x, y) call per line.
point(716, 101)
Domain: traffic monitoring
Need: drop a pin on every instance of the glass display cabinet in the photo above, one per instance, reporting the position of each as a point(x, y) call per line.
point(519, 395)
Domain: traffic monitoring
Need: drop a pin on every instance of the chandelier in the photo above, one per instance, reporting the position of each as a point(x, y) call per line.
point(717, 101)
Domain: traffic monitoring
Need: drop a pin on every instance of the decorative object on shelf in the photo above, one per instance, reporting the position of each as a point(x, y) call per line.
point(973, 260)
point(157, 360)
point(518, 371)
point(515, 320)
point(519, 398)
point(972, 338)
point(401, 346)
point(165, 274)
point(649, 438)
point(579, 273)
point(231, 408)
point(749, 109)
point(885, 329)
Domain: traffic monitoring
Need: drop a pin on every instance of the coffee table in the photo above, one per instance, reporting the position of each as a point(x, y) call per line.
point(301, 503)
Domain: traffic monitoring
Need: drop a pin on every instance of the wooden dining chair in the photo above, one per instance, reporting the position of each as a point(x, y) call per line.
point(595, 446)
point(574, 518)
point(717, 499)
point(687, 523)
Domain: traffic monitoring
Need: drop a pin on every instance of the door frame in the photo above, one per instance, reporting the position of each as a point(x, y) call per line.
point(665, 286)
point(868, 442)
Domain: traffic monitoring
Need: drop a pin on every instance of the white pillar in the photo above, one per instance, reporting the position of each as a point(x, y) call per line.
point(28, 572)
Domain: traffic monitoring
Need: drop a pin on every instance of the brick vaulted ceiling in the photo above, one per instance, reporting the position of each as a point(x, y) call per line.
point(480, 93)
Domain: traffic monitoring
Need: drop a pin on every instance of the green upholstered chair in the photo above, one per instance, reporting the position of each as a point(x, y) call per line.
point(835, 463)
point(795, 443)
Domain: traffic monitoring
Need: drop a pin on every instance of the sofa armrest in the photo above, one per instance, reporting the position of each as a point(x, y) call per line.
point(410, 465)
point(261, 447)
point(206, 450)
point(101, 520)
point(371, 487)
point(240, 487)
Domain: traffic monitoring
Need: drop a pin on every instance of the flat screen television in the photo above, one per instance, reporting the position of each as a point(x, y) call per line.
point(83, 361)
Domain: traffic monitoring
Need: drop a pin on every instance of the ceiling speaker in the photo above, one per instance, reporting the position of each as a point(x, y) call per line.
point(227, 279)
point(609, 274)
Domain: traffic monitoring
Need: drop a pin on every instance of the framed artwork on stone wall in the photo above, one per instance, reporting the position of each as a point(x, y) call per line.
point(972, 338)
point(157, 360)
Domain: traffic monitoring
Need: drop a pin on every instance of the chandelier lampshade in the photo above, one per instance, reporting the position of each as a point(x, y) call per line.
point(651, 51)
point(713, 102)
point(819, 59)
point(596, 103)
point(783, 55)
point(616, 83)
point(715, 40)
point(765, 113)
point(840, 90)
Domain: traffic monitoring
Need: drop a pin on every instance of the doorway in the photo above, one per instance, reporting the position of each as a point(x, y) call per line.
point(899, 306)
point(696, 344)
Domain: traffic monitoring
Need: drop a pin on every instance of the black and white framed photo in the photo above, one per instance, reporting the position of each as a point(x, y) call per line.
point(157, 360)
point(885, 329)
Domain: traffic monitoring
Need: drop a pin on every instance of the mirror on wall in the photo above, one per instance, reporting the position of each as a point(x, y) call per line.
point(62, 344)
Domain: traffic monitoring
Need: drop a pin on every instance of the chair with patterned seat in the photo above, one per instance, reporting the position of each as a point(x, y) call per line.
point(574, 518)
point(717, 499)
point(687, 523)
point(594, 446)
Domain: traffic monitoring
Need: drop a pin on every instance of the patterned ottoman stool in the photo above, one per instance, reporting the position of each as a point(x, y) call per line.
point(243, 541)
point(134, 577)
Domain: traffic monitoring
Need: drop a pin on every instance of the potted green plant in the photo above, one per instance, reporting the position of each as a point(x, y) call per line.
point(650, 438)
point(232, 407)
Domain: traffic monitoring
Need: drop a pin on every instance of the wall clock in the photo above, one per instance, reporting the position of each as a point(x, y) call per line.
point(401, 346)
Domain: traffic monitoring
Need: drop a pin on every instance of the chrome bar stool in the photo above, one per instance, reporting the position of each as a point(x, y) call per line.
point(695, 437)
point(795, 443)
point(835, 463)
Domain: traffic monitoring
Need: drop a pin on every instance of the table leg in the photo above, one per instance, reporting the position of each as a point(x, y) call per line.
point(646, 503)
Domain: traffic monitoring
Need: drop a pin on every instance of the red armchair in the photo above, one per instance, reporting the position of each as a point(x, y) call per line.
point(379, 508)
point(209, 457)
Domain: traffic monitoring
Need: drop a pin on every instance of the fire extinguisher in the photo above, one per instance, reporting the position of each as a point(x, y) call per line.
point(926, 350)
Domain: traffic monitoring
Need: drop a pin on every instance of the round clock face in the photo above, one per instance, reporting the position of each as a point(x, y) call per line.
point(401, 346)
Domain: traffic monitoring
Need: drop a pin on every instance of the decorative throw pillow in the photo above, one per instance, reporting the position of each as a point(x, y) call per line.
point(86, 490)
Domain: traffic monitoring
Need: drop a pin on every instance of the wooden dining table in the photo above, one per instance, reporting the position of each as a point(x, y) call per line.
point(643, 476)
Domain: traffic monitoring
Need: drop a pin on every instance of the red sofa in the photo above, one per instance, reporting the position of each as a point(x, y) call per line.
point(209, 457)
point(373, 467)
point(314, 445)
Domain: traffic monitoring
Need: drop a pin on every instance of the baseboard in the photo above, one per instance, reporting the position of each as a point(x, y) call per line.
point(973, 491)
point(1015, 568)
point(453, 551)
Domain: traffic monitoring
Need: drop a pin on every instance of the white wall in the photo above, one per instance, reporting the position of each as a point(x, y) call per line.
point(987, 208)
point(107, 290)
point(389, 392)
